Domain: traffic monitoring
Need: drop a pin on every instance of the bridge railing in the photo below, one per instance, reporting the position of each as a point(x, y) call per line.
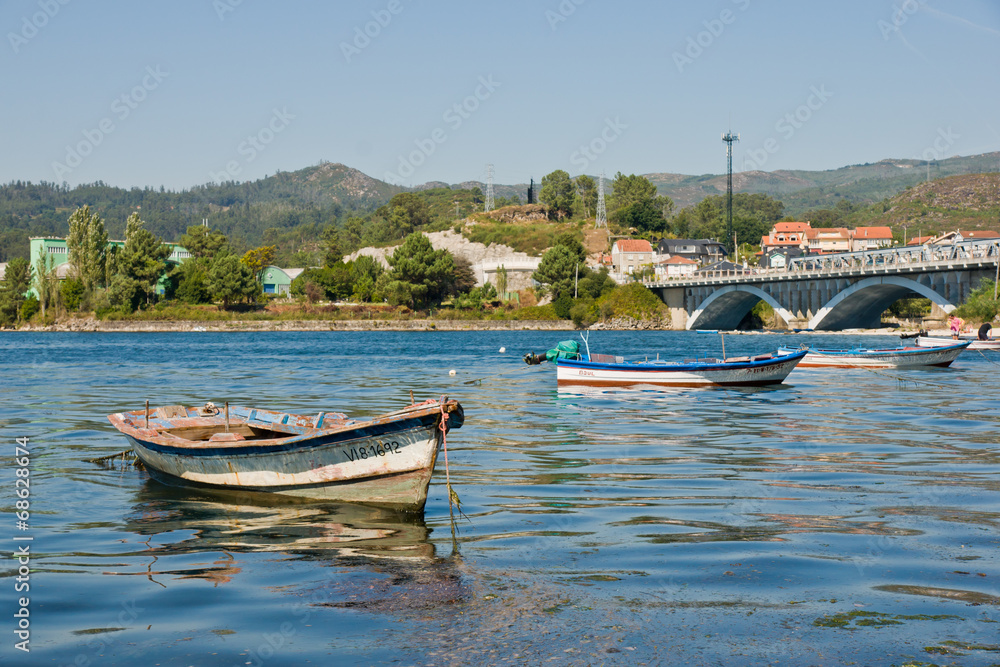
point(984, 251)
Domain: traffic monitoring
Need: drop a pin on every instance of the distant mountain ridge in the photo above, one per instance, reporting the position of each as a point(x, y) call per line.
point(327, 192)
point(802, 190)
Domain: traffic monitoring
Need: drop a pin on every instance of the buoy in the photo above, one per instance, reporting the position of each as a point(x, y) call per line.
point(502, 350)
point(451, 372)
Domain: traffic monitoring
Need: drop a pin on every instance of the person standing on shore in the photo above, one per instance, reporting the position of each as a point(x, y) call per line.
point(955, 324)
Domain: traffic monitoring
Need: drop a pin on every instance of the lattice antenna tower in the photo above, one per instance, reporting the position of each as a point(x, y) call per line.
point(602, 211)
point(729, 138)
point(489, 189)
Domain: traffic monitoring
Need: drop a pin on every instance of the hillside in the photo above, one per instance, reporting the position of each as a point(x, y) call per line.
point(803, 190)
point(317, 196)
point(966, 202)
point(292, 208)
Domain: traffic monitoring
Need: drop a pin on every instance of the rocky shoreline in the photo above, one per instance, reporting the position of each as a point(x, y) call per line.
point(91, 325)
point(100, 326)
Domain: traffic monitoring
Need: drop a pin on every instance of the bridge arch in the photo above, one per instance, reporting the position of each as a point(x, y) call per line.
point(726, 307)
point(861, 305)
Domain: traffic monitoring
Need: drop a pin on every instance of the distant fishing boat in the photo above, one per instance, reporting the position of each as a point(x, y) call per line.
point(974, 343)
point(383, 460)
point(897, 357)
point(605, 370)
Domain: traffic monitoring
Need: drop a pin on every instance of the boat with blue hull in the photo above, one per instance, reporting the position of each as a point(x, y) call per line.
point(384, 460)
point(599, 370)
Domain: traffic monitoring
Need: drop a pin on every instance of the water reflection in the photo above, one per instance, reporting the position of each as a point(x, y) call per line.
point(230, 523)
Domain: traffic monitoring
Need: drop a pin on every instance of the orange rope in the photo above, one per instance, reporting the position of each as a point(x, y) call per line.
point(443, 425)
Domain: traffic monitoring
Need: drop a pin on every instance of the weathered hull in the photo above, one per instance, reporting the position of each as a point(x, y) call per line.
point(908, 357)
point(405, 490)
point(388, 460)
point(974, 344)
point(750, 373)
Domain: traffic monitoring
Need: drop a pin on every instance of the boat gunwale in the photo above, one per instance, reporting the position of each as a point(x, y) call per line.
point(682, 366)
point(394, 422)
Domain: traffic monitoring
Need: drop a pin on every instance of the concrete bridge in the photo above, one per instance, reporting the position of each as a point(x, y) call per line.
point(834, 292)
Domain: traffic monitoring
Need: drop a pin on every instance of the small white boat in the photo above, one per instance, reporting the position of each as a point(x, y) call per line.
point(974, 343)
point(896, 357)
point(383, 460)
point(601, 370)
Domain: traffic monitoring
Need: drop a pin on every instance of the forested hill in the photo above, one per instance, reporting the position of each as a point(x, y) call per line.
point(310, 198)
point(291, 209)
point(801, 190)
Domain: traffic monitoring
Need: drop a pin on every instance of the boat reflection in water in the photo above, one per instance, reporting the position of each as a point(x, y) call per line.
point(225, 524)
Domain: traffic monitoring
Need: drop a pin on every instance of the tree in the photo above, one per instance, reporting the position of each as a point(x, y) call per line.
point(46, 282)
point(753, 217)
point(259, 259)
point(365, 272)
point(629, 190)
point(192, 281)
point(232, 281)
point(72, 291)
point(502, 282)
point(142, 259)
point(427, 273)
point(558, 193)
point(17, 281)
point(572, 241)
point(557, 270)
point(634, 203)
point(337, 282)
point(405, 213)
point(596, 284)
point(644, 216)
point(464, 279)
point(586, 190)
point(87, 244)
point(203, 242)
point(332, 252)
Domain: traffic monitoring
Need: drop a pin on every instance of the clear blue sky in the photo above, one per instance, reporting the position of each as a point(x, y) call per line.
point(176, 93)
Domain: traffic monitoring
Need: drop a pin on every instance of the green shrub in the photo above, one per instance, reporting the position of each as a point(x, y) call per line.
point(980, 306)
point(631, 300)
point(535, 313)
point(29, 307)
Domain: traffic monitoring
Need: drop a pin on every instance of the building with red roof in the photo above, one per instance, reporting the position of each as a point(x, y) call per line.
point(870, 238)
point(629, 255)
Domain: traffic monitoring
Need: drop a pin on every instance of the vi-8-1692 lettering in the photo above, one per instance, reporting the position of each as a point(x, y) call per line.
point(371, 451)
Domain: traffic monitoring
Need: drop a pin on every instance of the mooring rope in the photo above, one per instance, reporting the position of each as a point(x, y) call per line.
point(453, 499)
point(128, 457)
point(479, 381)
point(983, 355)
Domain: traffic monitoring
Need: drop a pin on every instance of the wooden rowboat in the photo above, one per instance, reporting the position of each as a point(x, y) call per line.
point(385, 460)
point(896, 357)
point(600, 370)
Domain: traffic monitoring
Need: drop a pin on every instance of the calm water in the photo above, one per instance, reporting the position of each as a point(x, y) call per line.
point(846, 517)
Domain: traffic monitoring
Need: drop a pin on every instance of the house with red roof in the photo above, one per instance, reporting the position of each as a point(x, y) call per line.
point(674, 266)
point(870, 238)
point(785, 235)
point(828, 239)
point(979, 234)
point(629, 255)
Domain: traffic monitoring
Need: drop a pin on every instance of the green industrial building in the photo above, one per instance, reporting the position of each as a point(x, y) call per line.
point(58, 252)
point(277, 280)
